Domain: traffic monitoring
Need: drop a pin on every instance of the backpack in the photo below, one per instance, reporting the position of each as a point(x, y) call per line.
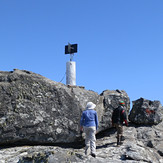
point(118, 115)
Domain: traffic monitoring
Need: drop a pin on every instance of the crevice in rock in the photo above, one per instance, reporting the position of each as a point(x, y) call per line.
point(74, 145)
point(126, 157)
point(78, 144)
point(160, 153)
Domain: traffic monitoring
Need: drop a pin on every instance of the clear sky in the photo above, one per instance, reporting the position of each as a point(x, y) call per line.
point(120, 42)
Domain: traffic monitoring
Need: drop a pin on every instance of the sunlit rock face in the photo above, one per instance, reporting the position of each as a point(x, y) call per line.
point(34, 109)
point(146, 112)
point(142, 144)
point(111, 99)
point(37, 111)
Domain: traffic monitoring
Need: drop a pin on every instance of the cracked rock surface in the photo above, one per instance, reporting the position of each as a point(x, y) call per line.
point(135, 149)
point(36, 110)
point(39, 123)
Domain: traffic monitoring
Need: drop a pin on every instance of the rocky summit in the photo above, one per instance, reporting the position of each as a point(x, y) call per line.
point(36, 110)
point(39, 122)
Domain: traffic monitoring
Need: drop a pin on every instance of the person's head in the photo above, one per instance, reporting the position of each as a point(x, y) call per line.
point(122, 103)
point(90, 105)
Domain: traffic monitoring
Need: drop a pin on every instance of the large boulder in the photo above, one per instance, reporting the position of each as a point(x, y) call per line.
point(34, 109)
point(111, 100)
point(146, 112)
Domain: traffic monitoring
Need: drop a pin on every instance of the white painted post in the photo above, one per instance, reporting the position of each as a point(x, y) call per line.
point(71, 73)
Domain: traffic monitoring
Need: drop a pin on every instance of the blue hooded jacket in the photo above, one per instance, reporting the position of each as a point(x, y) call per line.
point(89, 118)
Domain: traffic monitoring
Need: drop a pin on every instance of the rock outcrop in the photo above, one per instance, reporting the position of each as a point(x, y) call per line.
point(36, 110)
point(142, 144)
point(146, 112)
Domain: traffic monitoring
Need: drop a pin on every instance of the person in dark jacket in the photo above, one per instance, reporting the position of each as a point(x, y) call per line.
point(89, 121)
point(118, 117)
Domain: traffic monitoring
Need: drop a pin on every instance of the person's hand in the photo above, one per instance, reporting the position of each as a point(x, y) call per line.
point(113, 125)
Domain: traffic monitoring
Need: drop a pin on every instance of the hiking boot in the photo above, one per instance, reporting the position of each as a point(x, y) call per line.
point(86, 150)
point(122, 138)
point(118, 141)
point(93, 155)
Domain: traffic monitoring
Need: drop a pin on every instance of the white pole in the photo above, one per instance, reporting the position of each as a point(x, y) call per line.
point(71, 73)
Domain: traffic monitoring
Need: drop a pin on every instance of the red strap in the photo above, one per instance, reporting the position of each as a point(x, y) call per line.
point(126, 122)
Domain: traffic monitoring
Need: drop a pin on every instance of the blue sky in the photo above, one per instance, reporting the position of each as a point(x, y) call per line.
point(120, 42)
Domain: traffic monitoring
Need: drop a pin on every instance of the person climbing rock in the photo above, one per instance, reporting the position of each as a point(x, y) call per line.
point(118, 117)
point(89, 121)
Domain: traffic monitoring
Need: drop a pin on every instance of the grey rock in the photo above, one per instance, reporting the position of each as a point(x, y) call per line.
point(110, 100)
point(152, 137)
point(36, 110)
point(146, 112)
point(133, 150)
